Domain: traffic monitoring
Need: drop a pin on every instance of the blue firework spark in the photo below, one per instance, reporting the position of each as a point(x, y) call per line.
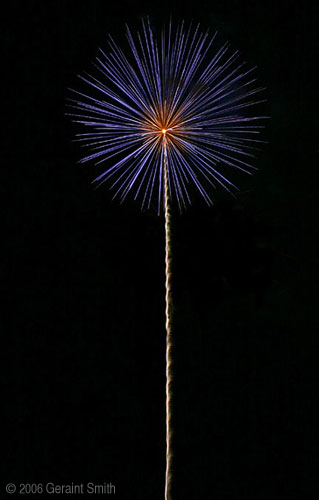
point(175, 97)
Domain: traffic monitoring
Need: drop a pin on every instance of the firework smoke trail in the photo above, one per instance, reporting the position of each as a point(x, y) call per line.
point(168, 116)
point(168, 314)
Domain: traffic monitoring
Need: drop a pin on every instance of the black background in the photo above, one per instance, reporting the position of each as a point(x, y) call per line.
point(86, 317)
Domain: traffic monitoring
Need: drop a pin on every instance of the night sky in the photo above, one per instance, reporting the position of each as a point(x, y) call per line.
point(86, 357)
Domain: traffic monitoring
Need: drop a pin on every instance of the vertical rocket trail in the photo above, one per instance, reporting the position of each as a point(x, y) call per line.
point(168, 314)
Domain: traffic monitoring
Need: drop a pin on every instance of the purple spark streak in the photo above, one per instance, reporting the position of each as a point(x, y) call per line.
point(170, 84)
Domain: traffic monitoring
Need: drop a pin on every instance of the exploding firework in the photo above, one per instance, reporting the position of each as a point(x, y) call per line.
point(169, 116)
point(174, 94)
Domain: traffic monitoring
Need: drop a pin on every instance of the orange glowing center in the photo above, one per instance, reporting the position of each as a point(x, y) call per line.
point(164, 131)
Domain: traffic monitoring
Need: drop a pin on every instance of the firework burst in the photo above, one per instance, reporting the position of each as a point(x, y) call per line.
point(165, 119)
point(175, 94)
